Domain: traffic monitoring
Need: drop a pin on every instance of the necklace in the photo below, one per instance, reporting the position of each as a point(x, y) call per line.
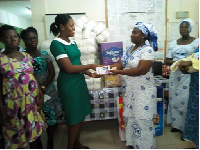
point(185, 39)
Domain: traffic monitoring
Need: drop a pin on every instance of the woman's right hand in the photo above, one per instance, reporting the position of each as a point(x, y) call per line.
point(93, 66)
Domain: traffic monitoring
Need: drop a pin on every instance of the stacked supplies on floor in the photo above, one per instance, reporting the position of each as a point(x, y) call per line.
point(88, 34)
point(104, 105)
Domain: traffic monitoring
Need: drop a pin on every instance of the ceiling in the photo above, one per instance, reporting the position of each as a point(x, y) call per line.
point(19, 8)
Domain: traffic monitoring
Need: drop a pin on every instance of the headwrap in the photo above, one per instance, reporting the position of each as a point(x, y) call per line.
point(150, 33)
point(189, 21)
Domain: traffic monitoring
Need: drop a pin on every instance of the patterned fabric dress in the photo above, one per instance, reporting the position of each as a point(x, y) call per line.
point(20, 97)
point(179, 85)
point(52, 107)
point(140, 105)
point(191, 130)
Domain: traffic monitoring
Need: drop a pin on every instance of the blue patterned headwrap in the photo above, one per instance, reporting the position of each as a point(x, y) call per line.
point(150, 33)
point(189, 21)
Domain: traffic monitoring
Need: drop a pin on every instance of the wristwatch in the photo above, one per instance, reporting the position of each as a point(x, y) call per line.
point(43, 87)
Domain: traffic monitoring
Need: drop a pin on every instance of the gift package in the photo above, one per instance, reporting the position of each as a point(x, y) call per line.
point(112, 80)
point(110, 52)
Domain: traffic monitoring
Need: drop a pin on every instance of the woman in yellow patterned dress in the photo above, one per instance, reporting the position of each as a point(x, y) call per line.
point(21, 98)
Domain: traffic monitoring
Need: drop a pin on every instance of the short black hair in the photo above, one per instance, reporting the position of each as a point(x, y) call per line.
point(25, 32)
point(4, 28)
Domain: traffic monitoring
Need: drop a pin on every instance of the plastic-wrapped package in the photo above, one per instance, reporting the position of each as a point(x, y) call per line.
point(78, 36)
point(84, 19)
point(90, 25)
point(96, 86)
point(91, 61)
point(91, 50)
point(78, 30)
point(99, 39)
point(86, 34)
point(110, 52)
point(99, 28)
point(79, 23)
point(92, 35)
point(90, 42)
point(105, 34)
point(83, 50)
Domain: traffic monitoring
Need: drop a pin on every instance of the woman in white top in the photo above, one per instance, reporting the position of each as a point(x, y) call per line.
point(179, 82)
point(139, 90)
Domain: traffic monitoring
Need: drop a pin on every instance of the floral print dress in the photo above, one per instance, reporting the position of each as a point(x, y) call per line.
point(52, 108)
point(20, 98)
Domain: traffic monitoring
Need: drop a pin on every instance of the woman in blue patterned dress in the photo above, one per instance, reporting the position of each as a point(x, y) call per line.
point(139, 90)
point(45, 72)
point(191, 129)
point(179, 82)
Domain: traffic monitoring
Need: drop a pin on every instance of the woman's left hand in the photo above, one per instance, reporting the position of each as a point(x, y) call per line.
point(114, 72)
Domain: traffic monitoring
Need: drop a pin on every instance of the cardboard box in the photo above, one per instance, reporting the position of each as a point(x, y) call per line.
point(110, 52)
point(112, 80)
point(159, 128)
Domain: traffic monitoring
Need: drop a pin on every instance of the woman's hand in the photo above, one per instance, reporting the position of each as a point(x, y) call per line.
point(41, 101)
point(93, 66)
point(184, 65)
point(114, 72)
point(94, 75)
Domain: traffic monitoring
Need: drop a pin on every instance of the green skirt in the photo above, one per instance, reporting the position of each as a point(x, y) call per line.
point(74, 95)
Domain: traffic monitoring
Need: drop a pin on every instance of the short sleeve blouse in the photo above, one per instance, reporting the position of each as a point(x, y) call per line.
point(177, 52)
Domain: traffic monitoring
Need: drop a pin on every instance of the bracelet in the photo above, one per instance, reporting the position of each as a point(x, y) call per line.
point(43, 87)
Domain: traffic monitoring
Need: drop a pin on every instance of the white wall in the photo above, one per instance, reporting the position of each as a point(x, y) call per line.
point(12, 19)
point(94, 9)
point(173, 6)
point(183, 5)
point(192, 6)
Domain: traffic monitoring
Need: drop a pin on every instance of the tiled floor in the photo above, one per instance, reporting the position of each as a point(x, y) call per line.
point(104, 135)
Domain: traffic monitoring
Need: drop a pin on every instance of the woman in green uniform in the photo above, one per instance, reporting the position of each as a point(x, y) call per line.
point(71, 84)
